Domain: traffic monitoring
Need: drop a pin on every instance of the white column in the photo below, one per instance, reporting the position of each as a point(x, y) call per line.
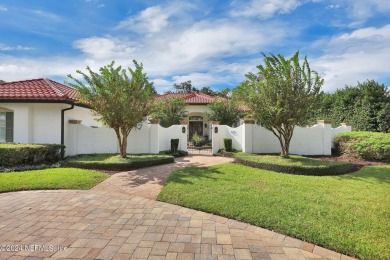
point(326, 136)
point(183, 138)
point(154, 137)
point(215, 137)
point(247, 136)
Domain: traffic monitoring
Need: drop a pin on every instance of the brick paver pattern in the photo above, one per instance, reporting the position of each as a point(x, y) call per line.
point(97, 224)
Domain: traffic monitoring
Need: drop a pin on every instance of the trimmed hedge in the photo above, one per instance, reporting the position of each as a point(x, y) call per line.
point(29, 154)
point(228, 144)
point(365, 145)
point(113, 162)
point(179, 153)
point(294, 165)
point(174, 145)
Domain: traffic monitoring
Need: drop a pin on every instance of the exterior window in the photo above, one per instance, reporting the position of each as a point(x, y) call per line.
point(6, 127)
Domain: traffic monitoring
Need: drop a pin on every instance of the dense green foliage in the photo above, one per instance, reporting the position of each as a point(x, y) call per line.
point(169, 111)
point(365, 145)
point(347, 213)
point(50, 179)
point(119, 100)
point(228, 144)
point(281, 95)
point(117, 163)
point(295, 164)
point(29, 154)
point(366, 106)
point(224, 111)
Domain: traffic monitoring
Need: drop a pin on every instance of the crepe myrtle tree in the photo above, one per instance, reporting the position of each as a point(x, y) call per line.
point(281, 95)
point(120, 98)
point(170, 111)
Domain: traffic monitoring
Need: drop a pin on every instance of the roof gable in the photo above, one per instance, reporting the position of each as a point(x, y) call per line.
point(37, 89)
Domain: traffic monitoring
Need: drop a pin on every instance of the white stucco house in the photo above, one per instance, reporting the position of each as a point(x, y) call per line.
point(44, 111)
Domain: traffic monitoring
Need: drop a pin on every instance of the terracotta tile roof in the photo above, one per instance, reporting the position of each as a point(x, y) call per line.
point(37, 89)
point(190, 98)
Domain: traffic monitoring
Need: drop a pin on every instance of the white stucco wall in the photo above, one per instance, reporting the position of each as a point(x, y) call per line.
point(172, 132)
point(225, 131)
point(251, 138)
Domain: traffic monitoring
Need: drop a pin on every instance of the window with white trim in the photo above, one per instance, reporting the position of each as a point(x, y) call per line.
point(6, 126)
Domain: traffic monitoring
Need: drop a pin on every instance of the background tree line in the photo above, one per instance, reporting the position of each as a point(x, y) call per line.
point(366, 106)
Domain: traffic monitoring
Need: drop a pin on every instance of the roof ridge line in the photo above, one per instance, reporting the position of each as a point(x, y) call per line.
point(58, 91)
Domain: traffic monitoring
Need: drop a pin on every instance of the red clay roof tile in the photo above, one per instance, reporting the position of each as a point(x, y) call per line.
point(37, 89)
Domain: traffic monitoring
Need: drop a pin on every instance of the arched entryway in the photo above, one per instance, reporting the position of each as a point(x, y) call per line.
point(195, 125)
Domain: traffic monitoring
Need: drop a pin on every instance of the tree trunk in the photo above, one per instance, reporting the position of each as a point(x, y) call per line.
point(124, 146)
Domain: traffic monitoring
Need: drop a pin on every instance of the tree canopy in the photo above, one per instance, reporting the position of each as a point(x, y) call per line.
point(366, 106)
point(170, 111)
point(281, 95)
point(187, 87)
point(224, 111)
point(119, 97)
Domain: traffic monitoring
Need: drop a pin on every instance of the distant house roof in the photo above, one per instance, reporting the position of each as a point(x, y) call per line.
point(38, 90)
point(190, 98)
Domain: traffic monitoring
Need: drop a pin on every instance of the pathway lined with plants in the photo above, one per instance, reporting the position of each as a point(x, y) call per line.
point(148, 182)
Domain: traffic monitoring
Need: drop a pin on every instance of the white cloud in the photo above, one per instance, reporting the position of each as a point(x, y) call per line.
point(263, 8)
point(104, 48)
point(5, 47)
point(357, 56)
point(152, 19)
point(359, 11)
point(3, 8)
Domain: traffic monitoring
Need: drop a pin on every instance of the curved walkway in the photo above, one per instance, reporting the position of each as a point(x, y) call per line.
point(148, 182)
point(96, 224)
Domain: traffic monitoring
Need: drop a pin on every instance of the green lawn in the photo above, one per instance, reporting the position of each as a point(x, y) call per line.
point(50, 179)
point(116, 162)
point(348, 213)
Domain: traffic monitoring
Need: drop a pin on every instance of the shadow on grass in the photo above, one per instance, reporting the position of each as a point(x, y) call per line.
point(195, 173)
point(379, 174)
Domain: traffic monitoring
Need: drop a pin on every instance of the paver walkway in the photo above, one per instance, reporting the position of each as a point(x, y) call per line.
point(148, 182)
point(96, 224)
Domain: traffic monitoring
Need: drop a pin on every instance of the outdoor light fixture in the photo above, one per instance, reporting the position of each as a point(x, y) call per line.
point(216, 130)
point(205, 125)
point(183, 129)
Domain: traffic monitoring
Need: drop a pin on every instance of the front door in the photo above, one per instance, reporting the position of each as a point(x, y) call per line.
point(195, 127)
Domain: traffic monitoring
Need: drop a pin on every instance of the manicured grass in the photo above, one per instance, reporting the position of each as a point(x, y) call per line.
point(348, 213)
point(294, 164)
point(116, 162)
point(51, 179)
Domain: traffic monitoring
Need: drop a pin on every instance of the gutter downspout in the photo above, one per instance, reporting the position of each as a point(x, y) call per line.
point(62, 129)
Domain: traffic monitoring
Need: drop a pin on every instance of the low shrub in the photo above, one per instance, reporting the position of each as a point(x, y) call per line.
point(114, 162)
point(174, 145)
point(29, 154)
point(228, 144)
point(179, 153)
point(295, 164)
point(364, 145)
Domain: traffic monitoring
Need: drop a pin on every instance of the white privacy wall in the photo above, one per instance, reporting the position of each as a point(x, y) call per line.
point(150, 138)
point(251, 138)
point(173, 132)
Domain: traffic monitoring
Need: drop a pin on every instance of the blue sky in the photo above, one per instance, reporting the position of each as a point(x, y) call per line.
point(213, 43)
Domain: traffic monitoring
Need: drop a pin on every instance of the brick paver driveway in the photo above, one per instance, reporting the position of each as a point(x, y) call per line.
point(96, 224)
